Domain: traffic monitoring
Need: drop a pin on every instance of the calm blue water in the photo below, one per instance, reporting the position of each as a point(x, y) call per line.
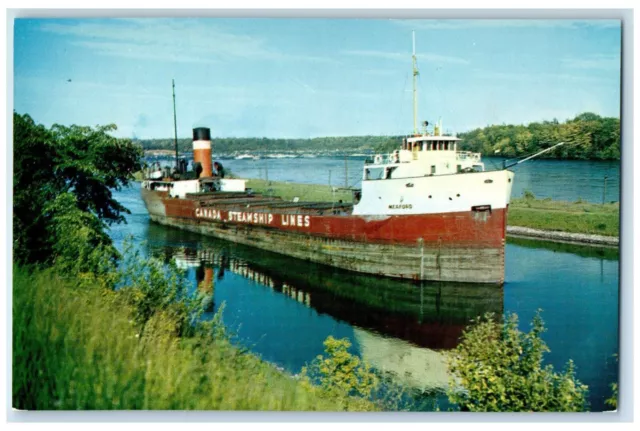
point(567, 180)
point(283, 309)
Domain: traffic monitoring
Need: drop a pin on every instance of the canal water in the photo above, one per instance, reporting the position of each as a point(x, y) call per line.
point(283, 309)
point(567, 180)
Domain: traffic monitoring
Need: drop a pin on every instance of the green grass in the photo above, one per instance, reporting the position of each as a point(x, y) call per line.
point(576, 217)
point(77, 346)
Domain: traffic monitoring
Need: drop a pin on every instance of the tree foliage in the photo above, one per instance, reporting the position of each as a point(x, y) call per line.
point(587, 136)
point(498, 368)
point(60, 169)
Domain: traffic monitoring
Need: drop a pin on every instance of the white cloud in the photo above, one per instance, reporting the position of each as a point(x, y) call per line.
point(399, 56)
point(169, 40)
point(456, 24)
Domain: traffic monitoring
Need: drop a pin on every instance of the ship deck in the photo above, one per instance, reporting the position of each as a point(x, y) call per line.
point(258, 202)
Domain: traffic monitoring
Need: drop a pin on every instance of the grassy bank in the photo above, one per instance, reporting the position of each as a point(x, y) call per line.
point(78, 346)
point(546, 214)
point(576, 217)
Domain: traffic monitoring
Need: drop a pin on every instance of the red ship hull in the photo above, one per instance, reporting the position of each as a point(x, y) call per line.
point(458, 246)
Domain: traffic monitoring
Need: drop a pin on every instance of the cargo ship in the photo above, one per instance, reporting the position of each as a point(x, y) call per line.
point(426, 211)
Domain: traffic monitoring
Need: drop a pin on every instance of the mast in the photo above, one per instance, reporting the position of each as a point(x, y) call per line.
point(175, 124)
point(415, 98)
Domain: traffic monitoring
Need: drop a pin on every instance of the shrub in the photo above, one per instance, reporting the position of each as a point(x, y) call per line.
point(339, 372)
point(528, 195)
point(152, 287)
point(498, 368)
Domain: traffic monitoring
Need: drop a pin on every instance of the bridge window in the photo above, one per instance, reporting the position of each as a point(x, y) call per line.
point(374, 173)
point(433, 169)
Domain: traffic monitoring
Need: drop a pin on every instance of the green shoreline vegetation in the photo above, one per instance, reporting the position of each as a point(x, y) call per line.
point(94, 328)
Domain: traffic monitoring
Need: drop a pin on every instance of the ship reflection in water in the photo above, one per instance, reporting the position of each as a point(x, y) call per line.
point(398, 327)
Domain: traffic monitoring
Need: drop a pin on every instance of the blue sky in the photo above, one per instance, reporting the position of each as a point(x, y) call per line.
point(311, 77)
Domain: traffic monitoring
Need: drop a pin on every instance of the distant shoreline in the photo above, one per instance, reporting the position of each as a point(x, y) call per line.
point(361, 152)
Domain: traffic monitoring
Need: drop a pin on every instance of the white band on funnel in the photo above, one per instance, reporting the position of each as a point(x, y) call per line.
point(201, 145)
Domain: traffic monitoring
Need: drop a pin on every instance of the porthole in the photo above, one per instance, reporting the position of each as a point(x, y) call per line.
point(429, 196)
point(458, 195)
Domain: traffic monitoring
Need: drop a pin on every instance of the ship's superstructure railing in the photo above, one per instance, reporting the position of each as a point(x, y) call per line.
point(468, 156)
point(383, 159)
point(424, 155)
point(395, 157)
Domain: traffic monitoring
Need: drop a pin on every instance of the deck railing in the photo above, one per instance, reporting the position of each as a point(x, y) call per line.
point(468, 155)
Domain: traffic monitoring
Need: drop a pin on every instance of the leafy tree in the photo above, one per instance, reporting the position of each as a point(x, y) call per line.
point(497, 368)
point(33, 186)
point(85, 162)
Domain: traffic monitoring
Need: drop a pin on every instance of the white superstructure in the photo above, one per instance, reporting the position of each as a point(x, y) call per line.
point(429, 175)
point(180, 189)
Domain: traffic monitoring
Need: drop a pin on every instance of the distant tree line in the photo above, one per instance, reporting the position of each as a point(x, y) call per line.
point(587, 136)
point(228, 145)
